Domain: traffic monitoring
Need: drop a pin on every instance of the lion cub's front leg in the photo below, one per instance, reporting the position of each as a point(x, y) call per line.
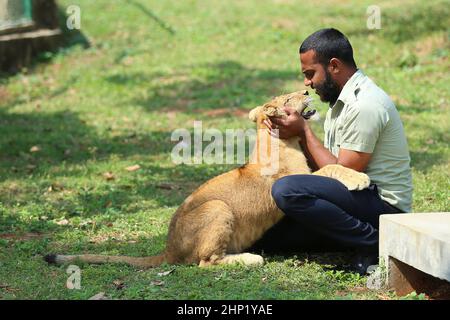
point(352, 179)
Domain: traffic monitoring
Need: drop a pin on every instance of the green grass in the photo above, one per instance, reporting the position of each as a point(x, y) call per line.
point(155, 66)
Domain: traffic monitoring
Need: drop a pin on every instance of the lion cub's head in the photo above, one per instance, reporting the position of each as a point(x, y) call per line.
point(298, 100)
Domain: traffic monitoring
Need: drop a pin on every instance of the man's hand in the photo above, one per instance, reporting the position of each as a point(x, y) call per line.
point(288, 127)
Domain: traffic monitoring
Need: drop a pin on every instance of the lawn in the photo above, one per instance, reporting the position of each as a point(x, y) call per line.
point(72, 123)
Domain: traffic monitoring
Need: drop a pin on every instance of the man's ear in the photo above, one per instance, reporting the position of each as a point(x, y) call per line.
point(253, 114)
point(335, 65)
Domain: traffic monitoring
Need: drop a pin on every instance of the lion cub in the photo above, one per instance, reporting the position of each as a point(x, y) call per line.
point(230, 212)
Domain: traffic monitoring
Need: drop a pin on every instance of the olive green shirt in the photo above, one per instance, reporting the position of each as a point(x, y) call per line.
point(365, 119)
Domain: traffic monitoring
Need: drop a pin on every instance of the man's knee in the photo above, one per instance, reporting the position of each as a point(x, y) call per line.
point(278, 191)
point(283, 188)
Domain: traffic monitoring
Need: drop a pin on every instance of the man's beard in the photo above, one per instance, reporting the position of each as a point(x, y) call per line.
point(328, 90)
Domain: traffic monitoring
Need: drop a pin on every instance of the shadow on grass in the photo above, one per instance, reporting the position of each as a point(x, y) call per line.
point(424, 161)
point(429, 152)
point(227, 84)
point(330, 260)
point(416, 108)
point(63, 137)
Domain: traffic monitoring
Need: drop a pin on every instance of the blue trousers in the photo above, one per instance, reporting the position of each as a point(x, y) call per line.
point(321, 214)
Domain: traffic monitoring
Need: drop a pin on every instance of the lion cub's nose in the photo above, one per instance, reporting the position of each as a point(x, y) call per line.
point(306, 93)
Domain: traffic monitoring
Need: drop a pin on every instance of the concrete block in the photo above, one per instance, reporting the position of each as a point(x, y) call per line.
point(415, 249)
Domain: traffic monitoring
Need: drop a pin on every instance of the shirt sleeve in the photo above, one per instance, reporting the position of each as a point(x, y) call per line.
point(362, 126)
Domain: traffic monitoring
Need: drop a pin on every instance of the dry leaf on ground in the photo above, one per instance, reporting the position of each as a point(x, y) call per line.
point(119, 284)
point(62, 222)
point(35, 149)
point(109, 176)
point(133, 168)
point(99, 296)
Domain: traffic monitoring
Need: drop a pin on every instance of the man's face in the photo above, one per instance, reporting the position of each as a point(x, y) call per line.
point(319, 78)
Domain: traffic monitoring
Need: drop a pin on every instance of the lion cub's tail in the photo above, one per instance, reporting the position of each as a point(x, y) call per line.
point(141, 262)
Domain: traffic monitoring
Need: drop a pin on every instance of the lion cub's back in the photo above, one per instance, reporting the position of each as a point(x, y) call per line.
point(243, 189)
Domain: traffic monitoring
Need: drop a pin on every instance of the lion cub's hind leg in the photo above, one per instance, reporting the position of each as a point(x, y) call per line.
point(214, 236)
point(352, 179)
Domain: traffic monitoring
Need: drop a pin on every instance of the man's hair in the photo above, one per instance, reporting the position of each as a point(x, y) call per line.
point(329, 43)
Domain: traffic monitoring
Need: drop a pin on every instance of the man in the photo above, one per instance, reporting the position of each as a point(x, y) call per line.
point(363, 131)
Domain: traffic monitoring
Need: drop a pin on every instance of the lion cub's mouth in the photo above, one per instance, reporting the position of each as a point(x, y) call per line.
point(272, 110)
point(307, 103)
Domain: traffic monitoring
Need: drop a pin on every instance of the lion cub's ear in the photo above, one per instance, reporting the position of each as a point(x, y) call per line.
point(253, 114)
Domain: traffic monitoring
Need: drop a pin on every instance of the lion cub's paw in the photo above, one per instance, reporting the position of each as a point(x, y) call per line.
point(350, 178)
point(247, 259)
point(358, 181)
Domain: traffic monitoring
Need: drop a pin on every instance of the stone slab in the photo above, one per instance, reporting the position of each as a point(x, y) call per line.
point(421, 240)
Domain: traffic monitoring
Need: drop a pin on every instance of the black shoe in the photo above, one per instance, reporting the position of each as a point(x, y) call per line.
point(360, 263)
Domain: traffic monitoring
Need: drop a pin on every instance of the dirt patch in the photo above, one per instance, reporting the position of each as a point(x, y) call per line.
point(172, 79)
point(285, 24)
point(426, 46)
point(23, 236)
point(4, 95)
point(7, 288)
point(399, 100)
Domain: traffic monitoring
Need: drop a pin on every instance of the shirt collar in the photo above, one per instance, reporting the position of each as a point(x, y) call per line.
point(350, 89)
